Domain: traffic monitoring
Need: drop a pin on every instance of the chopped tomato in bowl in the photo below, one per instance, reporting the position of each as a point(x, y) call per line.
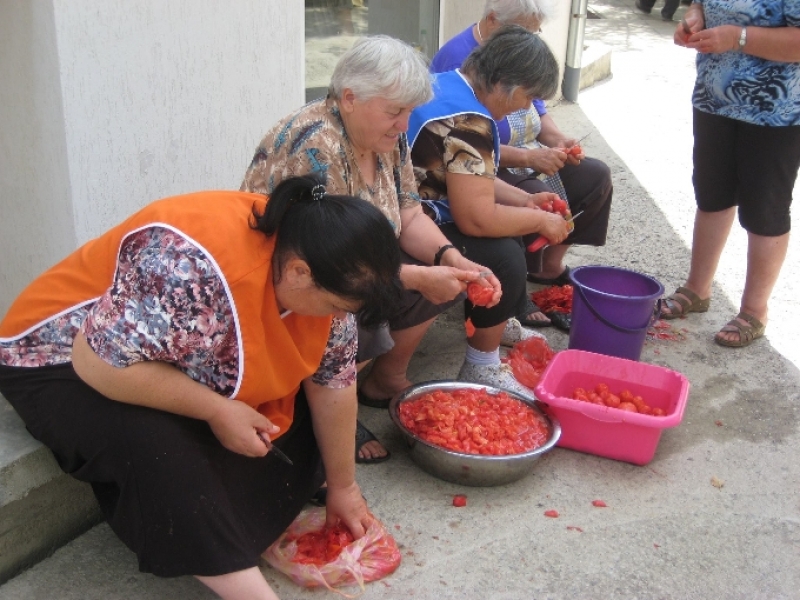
point(473, 434)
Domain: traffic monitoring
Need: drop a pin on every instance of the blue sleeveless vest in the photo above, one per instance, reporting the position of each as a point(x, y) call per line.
point(452, 96)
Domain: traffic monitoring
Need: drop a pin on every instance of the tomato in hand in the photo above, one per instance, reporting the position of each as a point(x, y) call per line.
point(575, 150)
point(560, 206)
point(478, 294)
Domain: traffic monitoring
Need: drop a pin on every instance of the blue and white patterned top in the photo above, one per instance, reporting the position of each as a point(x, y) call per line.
point(743, 87)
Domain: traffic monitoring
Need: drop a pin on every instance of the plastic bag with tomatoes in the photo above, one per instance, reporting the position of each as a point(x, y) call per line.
point(528, 360)
point(326, 557)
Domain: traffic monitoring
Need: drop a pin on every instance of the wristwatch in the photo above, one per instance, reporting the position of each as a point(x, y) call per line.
point(742, 39)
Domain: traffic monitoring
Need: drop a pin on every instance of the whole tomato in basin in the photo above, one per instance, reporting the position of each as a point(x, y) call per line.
point(473, 434)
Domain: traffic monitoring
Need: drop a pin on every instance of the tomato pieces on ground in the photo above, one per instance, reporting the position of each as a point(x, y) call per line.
point(528, 360)
point(474, 422)
point(553, 514)
point(459, 500)
point(479, 295)
point(323, 546)
point(599, 504)
point(556, 298)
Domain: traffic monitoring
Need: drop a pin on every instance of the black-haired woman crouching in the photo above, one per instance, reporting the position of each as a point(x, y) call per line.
point(159, 360)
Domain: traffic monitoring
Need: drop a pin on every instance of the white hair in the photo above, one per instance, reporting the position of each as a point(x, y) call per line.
point(382, 66)
point(508, 11)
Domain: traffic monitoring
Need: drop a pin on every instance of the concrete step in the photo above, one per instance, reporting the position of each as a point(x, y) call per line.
point(595, 64)
point(41, 508)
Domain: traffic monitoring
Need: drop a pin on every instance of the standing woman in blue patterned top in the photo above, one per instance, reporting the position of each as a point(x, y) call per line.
point(746, 148)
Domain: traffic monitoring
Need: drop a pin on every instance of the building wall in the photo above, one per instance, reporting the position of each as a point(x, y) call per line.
point(109, 105)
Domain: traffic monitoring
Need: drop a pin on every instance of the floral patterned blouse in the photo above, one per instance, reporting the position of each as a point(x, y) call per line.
point(314, 140)
point(167, 303)
point(743, 87)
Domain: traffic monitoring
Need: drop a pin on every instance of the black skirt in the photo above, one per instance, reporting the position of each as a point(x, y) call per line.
point(171, 492)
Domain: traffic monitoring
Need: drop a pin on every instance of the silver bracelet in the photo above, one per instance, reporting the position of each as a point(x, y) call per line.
point(742, 39)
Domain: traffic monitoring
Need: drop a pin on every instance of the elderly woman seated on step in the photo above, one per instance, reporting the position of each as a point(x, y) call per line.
point(536, 156)
point(355, 138)
point(455, 151)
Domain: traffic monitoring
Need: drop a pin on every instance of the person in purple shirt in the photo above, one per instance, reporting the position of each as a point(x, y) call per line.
point(534, 157)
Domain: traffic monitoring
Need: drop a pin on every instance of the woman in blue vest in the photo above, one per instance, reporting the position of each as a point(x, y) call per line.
point(455, 152)
point(534, 155)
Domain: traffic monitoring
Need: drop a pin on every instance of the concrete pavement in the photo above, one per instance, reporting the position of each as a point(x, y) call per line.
point(668, 532)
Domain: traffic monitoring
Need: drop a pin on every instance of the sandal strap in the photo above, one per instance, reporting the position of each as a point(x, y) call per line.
point(693, 298)
point(673, 301)
point(747, 333)
point(755, 323)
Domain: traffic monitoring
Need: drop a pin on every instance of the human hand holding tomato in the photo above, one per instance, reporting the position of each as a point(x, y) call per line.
point(555, 228)
point(574, 153)
point(716, 40)
point(542, 200)
point(236, 426)
point(437, 284)
point(692, 22)
point(478, 294)
point(347, 505)
point(547, 161)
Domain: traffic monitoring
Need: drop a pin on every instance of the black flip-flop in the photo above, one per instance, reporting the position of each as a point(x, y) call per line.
point(364, 435)
point(560, 320)
point(562, 279)
point(372, 402)
point(530, 307)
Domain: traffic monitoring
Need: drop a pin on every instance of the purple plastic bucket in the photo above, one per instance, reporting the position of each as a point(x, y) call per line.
point(611, 310)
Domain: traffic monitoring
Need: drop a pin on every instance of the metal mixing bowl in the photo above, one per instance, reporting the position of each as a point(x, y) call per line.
point(470, 469)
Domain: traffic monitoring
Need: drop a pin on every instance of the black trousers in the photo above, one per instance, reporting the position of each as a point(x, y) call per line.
point(169, 490)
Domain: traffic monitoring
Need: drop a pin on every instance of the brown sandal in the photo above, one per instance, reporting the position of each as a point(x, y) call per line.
point(747, 333)
point(678, 300)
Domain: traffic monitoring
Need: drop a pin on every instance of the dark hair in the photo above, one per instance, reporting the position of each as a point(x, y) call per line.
point(514, 57)
point(347, 243)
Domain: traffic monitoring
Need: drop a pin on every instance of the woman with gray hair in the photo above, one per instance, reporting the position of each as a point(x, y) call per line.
point(355, 138)
point(534, 157)
point(455, 151)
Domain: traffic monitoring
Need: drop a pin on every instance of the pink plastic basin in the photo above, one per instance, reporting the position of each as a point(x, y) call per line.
point(604, 431)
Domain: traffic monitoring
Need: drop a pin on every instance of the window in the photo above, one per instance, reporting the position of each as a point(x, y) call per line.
point(333, 25)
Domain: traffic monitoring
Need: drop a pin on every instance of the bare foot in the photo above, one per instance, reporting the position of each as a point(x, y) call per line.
point(371, 449)
point(537, 316)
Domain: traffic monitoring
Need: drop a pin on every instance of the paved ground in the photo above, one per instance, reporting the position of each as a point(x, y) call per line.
point(667, 533)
